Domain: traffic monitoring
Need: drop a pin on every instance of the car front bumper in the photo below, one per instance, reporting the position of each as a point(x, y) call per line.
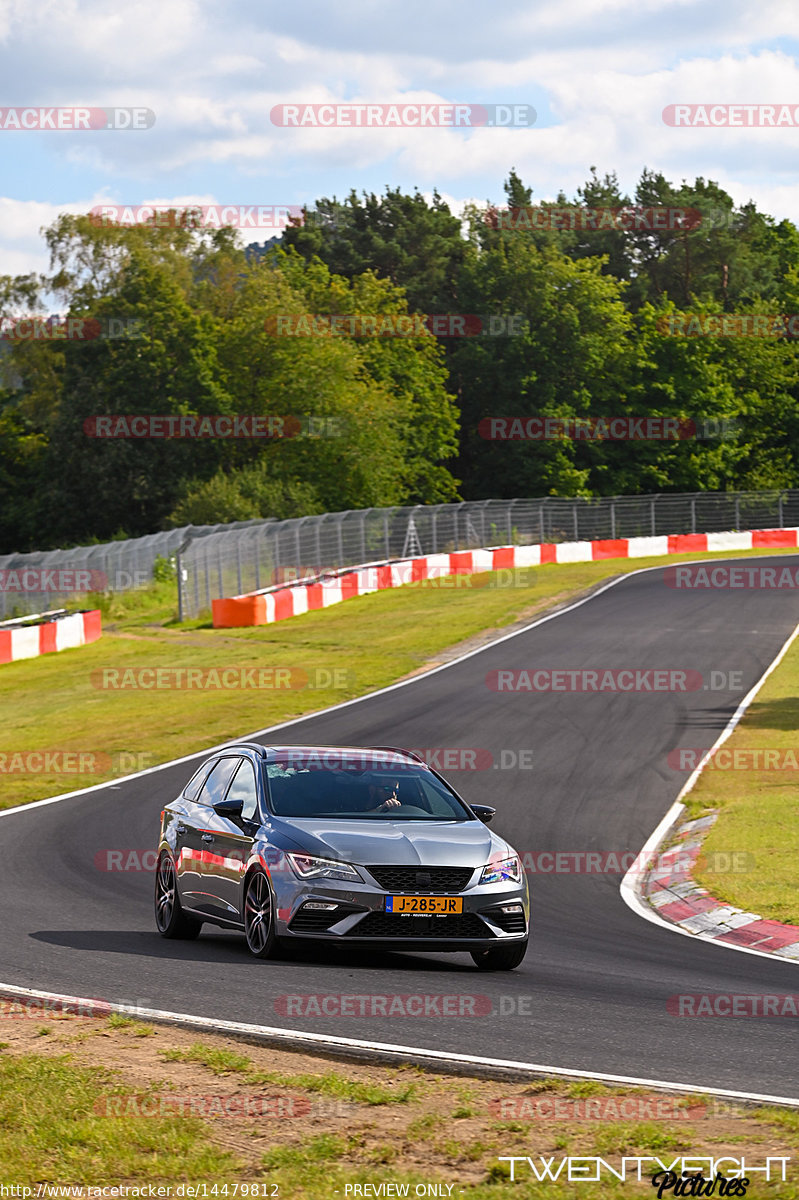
point(360, 915)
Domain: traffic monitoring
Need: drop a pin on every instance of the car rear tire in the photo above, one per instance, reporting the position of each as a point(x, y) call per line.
point(170, 919)
point(259, 916)
point(500, 958)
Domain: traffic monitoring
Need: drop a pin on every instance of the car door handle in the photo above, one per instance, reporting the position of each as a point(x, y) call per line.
point(208, 837)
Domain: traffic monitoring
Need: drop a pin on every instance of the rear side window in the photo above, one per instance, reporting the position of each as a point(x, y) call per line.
point(216, 784)
point(192, 789)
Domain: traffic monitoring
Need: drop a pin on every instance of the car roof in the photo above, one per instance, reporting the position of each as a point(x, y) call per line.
point(379, 753)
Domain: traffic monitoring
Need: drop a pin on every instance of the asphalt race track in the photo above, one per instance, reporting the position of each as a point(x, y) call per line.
point(594, 987)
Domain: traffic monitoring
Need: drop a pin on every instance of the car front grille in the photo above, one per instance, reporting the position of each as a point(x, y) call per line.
point(422, 879)
point(389, 925)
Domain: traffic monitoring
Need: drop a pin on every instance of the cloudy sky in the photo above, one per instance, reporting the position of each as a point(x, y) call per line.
point(598, 73)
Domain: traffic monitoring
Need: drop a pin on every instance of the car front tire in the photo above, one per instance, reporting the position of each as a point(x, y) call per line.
point(500, 958)
point(259, 915)
point(170, 919)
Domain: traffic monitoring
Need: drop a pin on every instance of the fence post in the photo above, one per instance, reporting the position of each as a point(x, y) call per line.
point(541, 520)
point(179, 570)
point(576, 526)
point(780, 508)
point(613, 518)
point(737, 511)
point(385, 535)
point(652, 514)
point(693, 514)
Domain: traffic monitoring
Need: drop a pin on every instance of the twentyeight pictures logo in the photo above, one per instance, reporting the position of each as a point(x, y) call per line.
point(403, 116)
point(75, 119)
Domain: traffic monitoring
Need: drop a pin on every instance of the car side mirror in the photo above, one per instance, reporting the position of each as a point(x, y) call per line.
point(484, 812)
point(229, 808)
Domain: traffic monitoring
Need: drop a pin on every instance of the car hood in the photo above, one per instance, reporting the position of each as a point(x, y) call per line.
point(398, 843)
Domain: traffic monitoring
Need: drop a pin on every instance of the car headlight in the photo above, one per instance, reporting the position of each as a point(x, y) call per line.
point(509, 870)
point(308, 867)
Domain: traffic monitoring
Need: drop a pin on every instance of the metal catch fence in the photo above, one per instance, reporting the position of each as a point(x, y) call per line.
point(212, 561)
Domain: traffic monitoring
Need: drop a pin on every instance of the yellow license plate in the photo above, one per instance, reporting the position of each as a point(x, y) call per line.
point(424, 905)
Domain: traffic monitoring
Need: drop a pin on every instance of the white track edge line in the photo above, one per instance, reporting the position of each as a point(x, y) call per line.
point(632, 884)
point(379, 1050)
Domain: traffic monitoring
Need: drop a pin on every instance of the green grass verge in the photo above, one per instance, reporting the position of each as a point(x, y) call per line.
point(49, 1130)
point(66, 1122)
point(758, 806)
point(53, 704)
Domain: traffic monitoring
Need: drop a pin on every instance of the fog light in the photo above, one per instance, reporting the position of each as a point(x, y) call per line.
point(511, 908)
point(317, 906)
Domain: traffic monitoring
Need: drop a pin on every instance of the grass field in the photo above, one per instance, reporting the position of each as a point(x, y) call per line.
point(755, 788)
point(114, 1103)
point(58, 703)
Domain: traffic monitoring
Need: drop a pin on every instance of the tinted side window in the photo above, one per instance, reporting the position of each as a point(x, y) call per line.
point(216, 783)
point(192, 788)
point(243, 788)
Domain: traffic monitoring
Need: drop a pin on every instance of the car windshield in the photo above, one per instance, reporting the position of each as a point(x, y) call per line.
point(398, 791)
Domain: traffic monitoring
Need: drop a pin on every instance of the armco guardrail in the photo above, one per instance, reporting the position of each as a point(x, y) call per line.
point(47, 637)
point(291, 600)
point(235, 562)
point(214, 561)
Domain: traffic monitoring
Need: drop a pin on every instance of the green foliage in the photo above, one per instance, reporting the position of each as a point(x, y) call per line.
point(393, 420)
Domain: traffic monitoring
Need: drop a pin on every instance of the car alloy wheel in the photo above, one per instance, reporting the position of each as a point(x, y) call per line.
point(170, 918)
point(259, 919)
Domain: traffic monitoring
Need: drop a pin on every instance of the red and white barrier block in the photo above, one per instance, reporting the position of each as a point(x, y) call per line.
point(29, 641)
point(289, 600)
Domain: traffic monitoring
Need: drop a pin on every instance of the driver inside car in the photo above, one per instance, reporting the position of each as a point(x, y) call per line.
point(383, 796)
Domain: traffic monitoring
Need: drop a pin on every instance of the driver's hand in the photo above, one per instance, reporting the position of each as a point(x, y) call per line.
point(392, 802)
